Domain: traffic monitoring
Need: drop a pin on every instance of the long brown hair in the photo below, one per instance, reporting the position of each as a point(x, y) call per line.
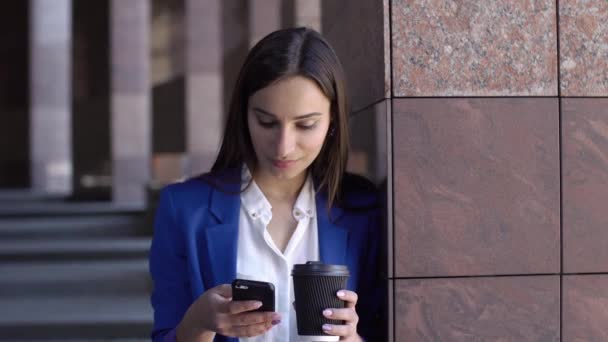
point(284, 53)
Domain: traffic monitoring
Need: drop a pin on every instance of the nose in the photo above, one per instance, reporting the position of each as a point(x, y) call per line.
point(286, 143)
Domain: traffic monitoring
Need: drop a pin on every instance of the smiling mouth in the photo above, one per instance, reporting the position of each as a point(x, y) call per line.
point(283, 164)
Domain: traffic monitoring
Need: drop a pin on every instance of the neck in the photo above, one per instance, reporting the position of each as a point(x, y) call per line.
point(280, 189)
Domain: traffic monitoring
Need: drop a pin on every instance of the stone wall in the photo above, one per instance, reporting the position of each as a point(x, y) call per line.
point(497, 162)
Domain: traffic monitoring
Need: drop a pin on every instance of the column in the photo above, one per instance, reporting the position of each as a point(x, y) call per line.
point(308, 13)
point(204, 83)
point(130, 99)
point(264, 17)
point(50, 91)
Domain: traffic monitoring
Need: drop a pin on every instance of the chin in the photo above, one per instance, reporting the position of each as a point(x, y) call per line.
point(285, 174)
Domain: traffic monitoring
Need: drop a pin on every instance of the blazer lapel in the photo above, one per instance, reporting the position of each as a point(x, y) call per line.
point(222, 237)
point(333, 239)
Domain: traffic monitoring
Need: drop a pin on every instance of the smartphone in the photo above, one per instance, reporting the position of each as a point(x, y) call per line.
point(254, 290)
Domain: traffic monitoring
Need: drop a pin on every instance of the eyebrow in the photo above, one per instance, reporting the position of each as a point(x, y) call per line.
point(299, 117)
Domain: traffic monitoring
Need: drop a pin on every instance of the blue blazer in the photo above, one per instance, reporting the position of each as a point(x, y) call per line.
point(194, 247)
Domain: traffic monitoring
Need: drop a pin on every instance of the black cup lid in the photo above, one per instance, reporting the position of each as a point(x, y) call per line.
point(316, 268)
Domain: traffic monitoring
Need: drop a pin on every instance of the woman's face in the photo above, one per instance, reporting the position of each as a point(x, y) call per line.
point(288, 122)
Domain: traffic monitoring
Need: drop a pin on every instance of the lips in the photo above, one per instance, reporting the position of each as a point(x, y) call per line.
point(283, 164)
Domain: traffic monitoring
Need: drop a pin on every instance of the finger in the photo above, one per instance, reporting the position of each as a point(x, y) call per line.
point(338, 330)
point(243, 331)
point(254, 318)
point(349, 297)
point(224, 290)
point(349, 315)
point(238, 306)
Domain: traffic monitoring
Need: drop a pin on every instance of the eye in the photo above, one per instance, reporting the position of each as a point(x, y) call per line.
point(307, 125)
point(266, 124)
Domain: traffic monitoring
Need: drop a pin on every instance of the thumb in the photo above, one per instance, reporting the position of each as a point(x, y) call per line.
point(224, 290)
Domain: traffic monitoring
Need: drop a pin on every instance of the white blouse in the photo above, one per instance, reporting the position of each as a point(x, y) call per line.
point(258, 258)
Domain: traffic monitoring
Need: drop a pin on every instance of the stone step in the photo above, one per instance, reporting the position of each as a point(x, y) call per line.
point(75, 317)
point(28, 195)
point(72, 226)
point(74, 249)
point(58, 208)
point(83, 340)
point(75, 278)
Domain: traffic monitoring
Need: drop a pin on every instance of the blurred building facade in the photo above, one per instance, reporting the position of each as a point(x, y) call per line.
point(484, 123)
point(101, 103)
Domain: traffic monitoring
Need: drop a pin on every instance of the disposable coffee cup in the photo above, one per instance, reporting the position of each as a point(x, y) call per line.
point(315, 286)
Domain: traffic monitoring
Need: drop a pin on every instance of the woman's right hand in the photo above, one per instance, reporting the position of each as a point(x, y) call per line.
point(215, 312)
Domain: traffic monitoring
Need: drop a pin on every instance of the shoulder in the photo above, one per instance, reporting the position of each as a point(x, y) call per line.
point(202, 185)
point(190, 188)
point(358, 193)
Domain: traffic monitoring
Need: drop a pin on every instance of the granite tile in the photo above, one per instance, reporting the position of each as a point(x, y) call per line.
point(364, 58)
point(585, 308)
point(476, 186)
point(585, 184)
point(478, 309)
point(474, 48)
point(583, 47)
point(390, 313)
point(388, 64)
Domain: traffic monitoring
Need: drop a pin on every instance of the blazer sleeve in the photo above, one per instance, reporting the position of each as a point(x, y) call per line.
point(171, 295)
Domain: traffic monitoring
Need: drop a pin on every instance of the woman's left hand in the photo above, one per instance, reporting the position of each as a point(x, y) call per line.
point(348, 331)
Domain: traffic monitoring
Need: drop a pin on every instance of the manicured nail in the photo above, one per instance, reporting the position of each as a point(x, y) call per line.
point(341, 294)
point(327, 313)
point(326, 327)
point(276, 321)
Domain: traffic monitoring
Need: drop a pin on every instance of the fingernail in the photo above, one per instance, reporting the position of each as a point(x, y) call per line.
point(326, 327)
point(276, 317)
point(276, 321)
point(257, 305)
point(327, 313)
point(341, 294)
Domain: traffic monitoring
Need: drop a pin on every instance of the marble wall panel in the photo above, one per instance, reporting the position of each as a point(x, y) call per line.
point(478, 309)
point(585, 184)
point(476, 186)
point(585, 308)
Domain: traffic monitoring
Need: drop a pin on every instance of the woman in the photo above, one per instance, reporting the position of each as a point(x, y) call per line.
point(277, 195)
